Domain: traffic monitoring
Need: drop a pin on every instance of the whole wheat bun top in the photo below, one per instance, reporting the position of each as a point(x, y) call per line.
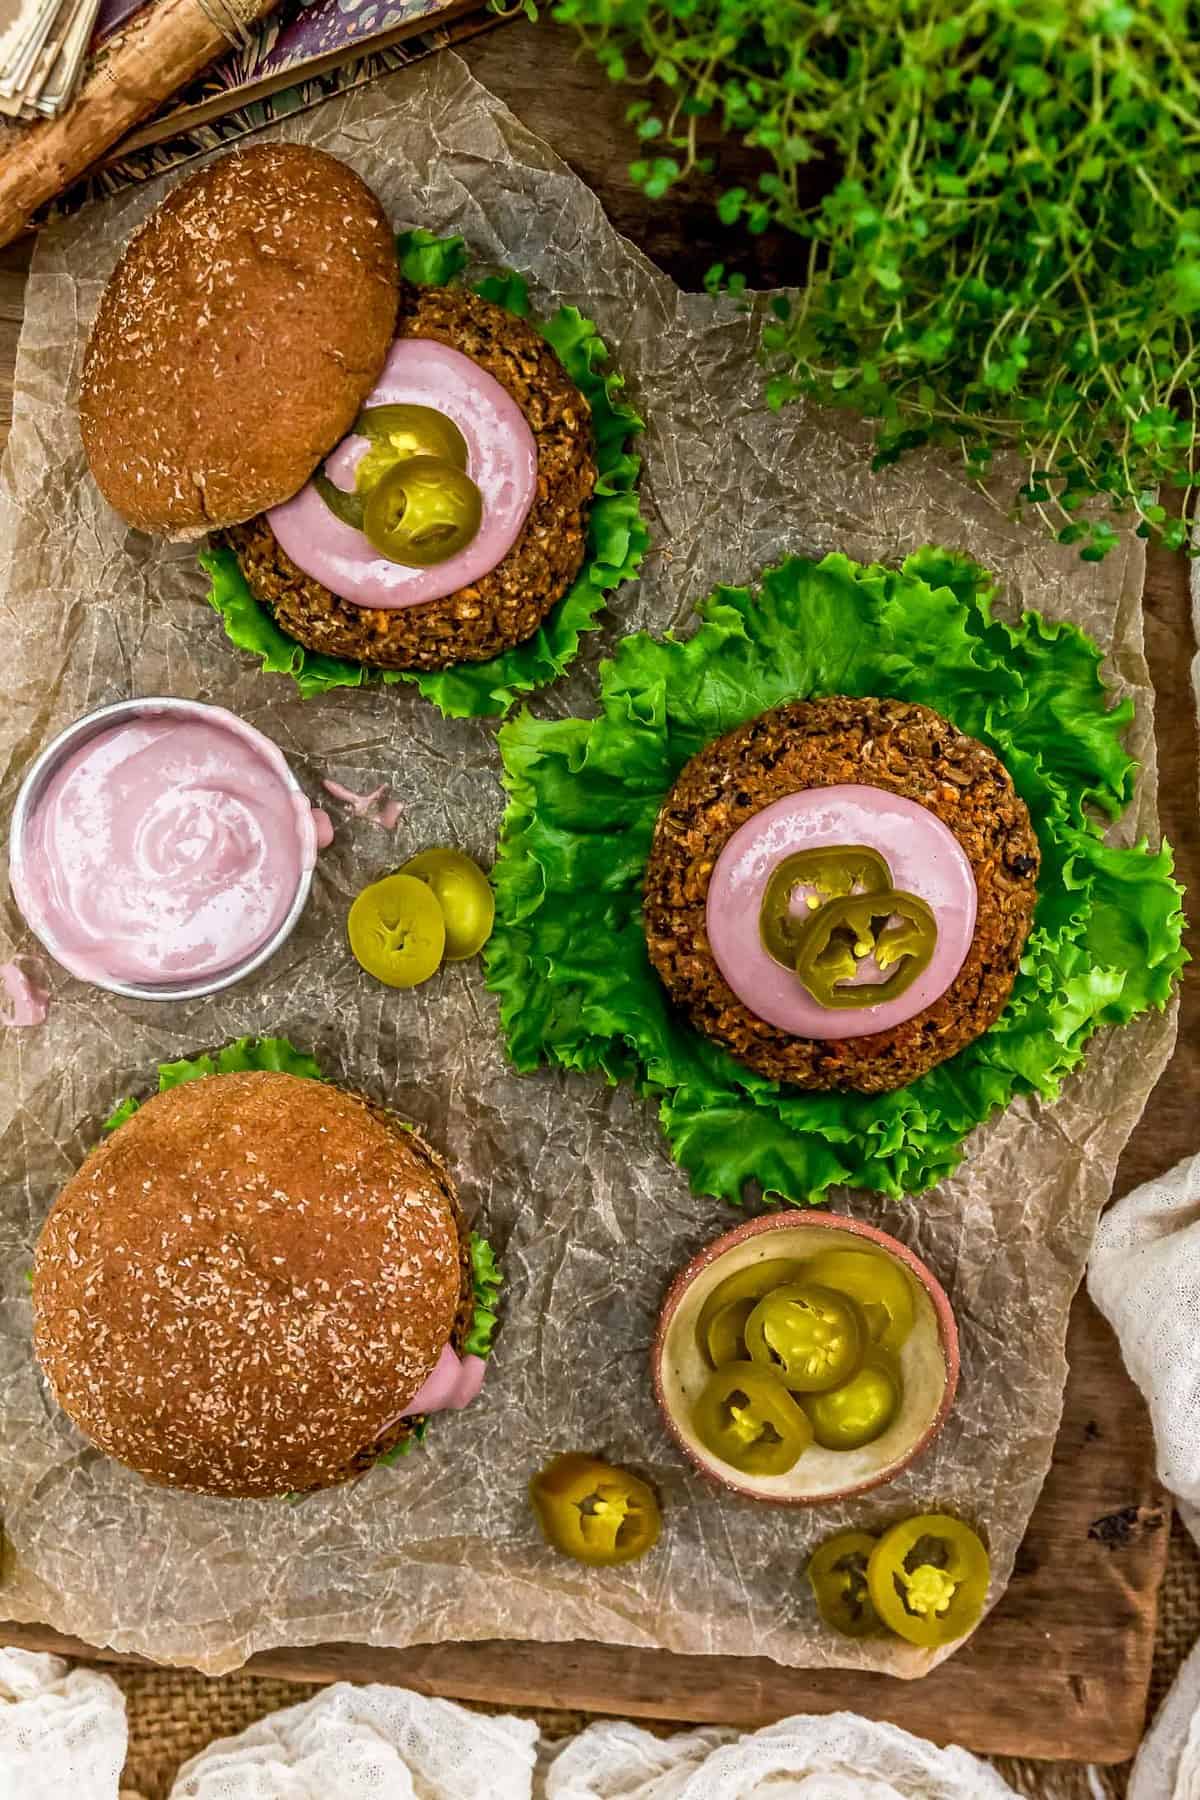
point(239, 334)
point(245, 1283)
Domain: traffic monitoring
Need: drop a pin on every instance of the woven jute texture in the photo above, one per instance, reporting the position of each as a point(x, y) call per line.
point(173, 1714)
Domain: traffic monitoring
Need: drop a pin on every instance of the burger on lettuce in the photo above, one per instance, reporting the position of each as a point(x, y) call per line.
point(400, 472)
point(258, 1284)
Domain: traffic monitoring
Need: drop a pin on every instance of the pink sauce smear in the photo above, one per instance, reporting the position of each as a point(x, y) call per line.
point(378, 805)
point(455, 1382)
point(502, 462)
point(26, 995)
point(925, 858)
point(168, 846)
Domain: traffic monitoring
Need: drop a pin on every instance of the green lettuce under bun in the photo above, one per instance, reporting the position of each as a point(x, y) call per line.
point(281, 1055)
point(568, 956)
point(616, 532)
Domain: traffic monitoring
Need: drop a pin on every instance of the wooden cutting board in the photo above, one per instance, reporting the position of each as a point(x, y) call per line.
point(1061, 1668)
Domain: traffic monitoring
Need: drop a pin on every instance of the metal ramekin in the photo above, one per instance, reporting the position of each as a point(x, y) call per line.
point(46, 766)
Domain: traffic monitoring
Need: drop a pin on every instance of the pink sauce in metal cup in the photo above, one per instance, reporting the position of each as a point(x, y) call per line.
point(502, 462)
point(167, 847)
point(925, 858)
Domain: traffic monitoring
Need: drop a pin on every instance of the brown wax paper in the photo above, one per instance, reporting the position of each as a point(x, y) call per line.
point(570, 1179)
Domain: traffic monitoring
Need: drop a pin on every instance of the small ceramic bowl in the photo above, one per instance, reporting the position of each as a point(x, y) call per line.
point(928, 1361)
point(46, 766)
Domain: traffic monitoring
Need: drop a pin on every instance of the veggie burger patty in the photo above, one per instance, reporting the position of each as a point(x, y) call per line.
point(509, 603)
point(907, 749)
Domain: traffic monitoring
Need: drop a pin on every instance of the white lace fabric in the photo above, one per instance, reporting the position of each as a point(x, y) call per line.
point(62, 1731)
point(1144, 1275)
point(63, 1734)
point(835, 1757)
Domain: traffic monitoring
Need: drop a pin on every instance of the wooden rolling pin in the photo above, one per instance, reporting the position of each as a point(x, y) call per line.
point(157, 52)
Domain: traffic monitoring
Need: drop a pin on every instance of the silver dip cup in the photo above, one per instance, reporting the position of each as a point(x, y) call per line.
point(46, 766)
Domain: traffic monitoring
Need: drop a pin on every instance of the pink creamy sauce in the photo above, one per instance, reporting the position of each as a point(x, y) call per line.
point(168, 846)
point(502, 462)
point(377, 806)
point(455, 1382)
point(925, 858)
point(24, 995)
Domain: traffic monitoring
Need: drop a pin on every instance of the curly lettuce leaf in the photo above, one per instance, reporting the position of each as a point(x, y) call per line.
point(428, 260)
point(616, 532)
point(119, 1114)
point(251, 628)
point(278, 1053)
point(487, 1279)
point(406, 1444)
point(568, 957)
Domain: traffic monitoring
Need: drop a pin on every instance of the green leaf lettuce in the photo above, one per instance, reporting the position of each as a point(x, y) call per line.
point(487, 1279)
point(616, 533)
point(276, 1053)
point(568, 956)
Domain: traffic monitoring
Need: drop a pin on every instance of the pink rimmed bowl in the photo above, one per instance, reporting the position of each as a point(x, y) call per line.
point(929, 1360)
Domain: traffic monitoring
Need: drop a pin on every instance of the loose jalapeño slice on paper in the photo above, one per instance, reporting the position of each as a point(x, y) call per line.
point(595, 1513)
point(837, 1574)
point(928, 1579)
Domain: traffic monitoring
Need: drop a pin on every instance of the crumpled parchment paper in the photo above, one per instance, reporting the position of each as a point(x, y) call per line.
point(570, 1179)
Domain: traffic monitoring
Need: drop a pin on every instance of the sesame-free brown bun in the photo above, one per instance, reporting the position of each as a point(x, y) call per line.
point(242, 329)
point(245, 1283)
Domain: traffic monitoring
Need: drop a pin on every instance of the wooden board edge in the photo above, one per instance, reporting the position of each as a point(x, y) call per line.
point(748, 1693)
point(1081, 1606)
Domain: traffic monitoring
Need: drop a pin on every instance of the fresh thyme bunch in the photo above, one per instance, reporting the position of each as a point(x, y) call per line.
point(1006, 254)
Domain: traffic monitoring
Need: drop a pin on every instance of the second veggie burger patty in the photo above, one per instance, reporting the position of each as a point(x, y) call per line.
point(504, 607)
point(851, 746)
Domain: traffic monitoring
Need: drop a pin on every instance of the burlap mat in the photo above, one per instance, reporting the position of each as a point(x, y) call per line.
point(173, 1714)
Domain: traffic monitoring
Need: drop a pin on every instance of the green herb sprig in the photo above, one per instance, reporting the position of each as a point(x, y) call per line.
point(1006, 253)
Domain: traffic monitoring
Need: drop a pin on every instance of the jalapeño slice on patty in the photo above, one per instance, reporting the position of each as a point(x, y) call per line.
point(346, 507)
point(404, 430)
point(398, 433)
point(830, 871)
point(422, 512)
point(898, 930)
